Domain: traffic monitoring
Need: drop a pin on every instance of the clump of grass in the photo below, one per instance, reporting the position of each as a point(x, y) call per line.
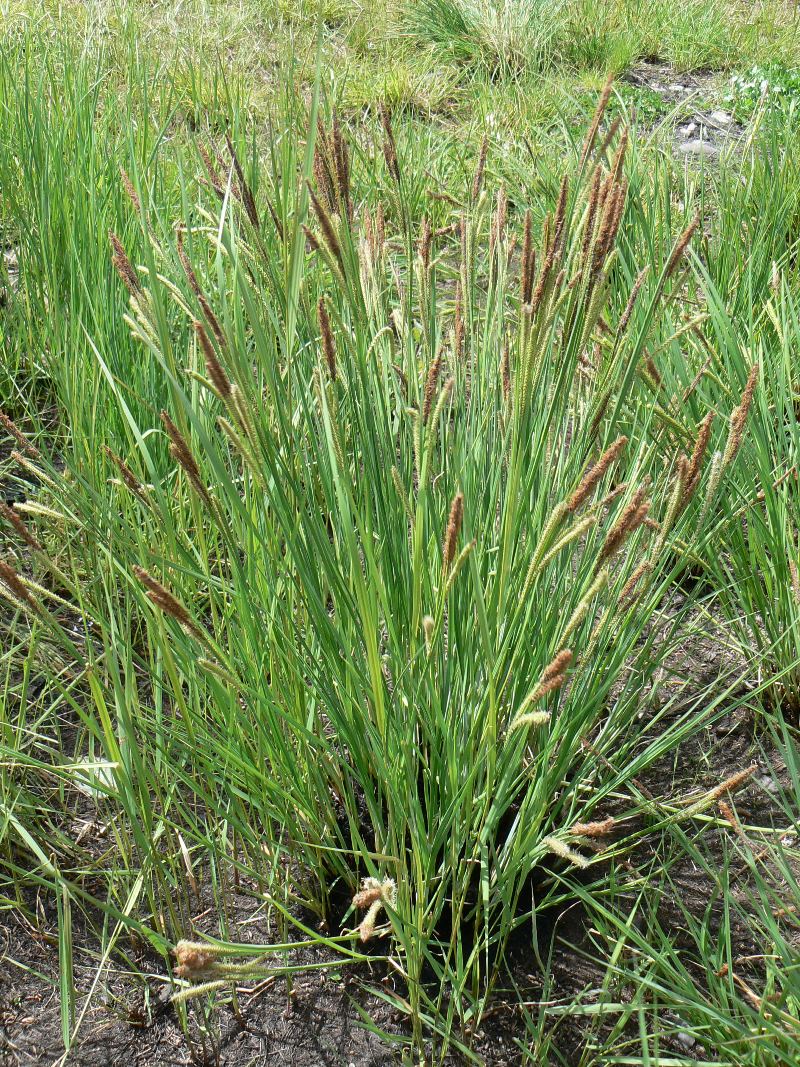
point(500, 35)
point(390, 567)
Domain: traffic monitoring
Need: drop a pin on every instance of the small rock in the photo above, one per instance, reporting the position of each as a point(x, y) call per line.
point(721, 118)
point(699, 147)
point(685, 1039)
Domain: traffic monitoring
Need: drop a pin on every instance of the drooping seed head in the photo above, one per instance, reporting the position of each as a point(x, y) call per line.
point(24, 444)
point(12, 581)
point(13, 518)
point(167, 602)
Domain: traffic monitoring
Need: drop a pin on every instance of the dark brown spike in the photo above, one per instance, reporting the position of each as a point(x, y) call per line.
point(182, 453)
point(341, 158)
point(123, 266)
point(15, 585)
point(389, 146)
point(505, 371)
point(698, 454)
point(328, 346)
point(214, 178)
point(128, 477)
point(167, 602)
point(217, 376)
point(626, 314)
point(25, 445)
point(245, 192)
point(430, 388)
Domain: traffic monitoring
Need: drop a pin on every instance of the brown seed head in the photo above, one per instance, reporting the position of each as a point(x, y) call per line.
point(500, 215)
point(425, 241)
point(630, 586)
point(505, 371)
point(557, 666)
point(631, 518)
point(626, 314)
point(591, 134)
point(15, 585)
point(734, 782)
point(739, 417)
point(545, 687)
point(127, 185)
point(609, 137)
point(619, 157)
point(163, 599)
point(453, 530)
point(341, 160)
point(680, 247)
point(191, 959)
point(593, 829)
point(245, 192)
point(219, 379)
point(328, 229)
point(389, 146)
point(128, 477)
point(328, 346)
point(13, 518)
point(366, 896)
point(185, 262)
point(123, 266)
point(180, 451)
point(698, 454)
point(458, 325)
point(215, 180)
point(430, 388)
point(25, 445)
point(595, 474)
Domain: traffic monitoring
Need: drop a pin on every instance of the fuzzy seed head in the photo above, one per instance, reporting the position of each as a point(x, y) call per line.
point(328, 346)
point(595, 474)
